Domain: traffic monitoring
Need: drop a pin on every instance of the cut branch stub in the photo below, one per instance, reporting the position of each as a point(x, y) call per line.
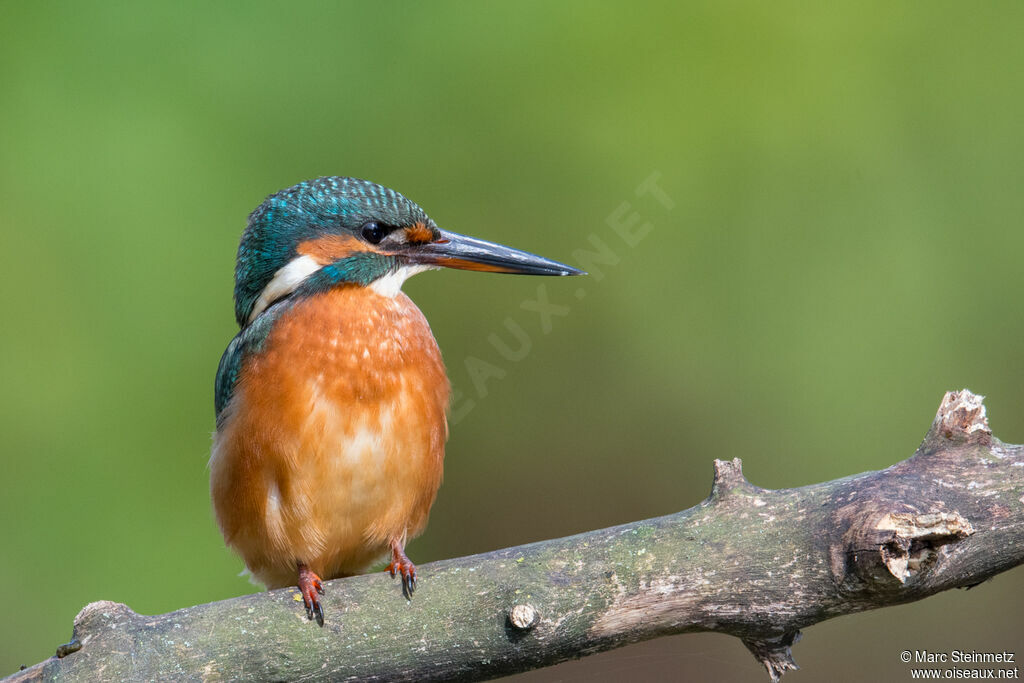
point(100, 617)
point(729, 481)
point(961, 417)
point(775, 654)
point(523, 617)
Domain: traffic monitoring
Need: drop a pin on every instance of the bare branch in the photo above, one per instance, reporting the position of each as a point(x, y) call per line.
point(754, 563)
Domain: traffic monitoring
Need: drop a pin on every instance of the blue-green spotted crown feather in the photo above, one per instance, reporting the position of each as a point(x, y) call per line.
point(301, 212)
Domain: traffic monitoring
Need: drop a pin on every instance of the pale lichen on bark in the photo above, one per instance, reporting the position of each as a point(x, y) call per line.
point(754, 563)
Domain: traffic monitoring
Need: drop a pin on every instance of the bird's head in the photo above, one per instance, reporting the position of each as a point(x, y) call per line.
point(332, 231)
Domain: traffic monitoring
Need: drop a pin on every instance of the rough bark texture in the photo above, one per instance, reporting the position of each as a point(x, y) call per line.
point(754, 563)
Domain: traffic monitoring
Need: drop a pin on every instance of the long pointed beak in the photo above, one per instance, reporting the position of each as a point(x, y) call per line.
point(468, 253)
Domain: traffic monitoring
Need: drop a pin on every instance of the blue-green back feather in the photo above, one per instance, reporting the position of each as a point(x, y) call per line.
point(247, 342)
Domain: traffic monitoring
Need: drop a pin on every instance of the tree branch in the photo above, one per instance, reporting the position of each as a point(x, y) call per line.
point(754, 563)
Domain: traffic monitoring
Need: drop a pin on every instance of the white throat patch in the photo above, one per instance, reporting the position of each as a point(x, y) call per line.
point(288, 279)
point(285, 281)
point(391, 284)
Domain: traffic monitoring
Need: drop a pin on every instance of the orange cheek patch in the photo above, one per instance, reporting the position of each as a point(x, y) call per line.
point(418, 233)
point(330, 248)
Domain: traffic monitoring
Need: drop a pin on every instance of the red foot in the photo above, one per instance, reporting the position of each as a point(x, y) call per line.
point(309, 586)
point(400, 564)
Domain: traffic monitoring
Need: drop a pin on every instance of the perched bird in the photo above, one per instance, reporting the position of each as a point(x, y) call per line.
point(331, 400)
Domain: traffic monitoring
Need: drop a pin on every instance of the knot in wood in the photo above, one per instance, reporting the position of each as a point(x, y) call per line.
point(99, 615)
point(915, 539)
point(523, 617)
point(898, 548)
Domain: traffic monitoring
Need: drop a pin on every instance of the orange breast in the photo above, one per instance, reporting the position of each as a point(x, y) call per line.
point(333, 443)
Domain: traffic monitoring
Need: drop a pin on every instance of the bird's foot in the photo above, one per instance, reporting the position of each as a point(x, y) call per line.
point(400, 564)
point(310, 585)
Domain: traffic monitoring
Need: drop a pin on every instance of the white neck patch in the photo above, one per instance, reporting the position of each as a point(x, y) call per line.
point(288, 279)
point(285, 281)
point(391, 284)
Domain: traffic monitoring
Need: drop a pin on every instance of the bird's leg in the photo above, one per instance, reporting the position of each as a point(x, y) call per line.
point(310, 585)
point(400, 564)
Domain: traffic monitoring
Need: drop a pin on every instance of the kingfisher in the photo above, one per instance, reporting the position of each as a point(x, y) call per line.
point(331, 401)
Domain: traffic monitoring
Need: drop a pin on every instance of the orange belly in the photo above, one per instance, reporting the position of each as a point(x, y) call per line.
point(333, 442)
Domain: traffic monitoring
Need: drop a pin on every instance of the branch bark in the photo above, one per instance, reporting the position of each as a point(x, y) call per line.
point(754, 563)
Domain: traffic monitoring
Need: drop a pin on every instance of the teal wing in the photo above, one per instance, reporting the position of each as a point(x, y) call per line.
point(227, 373)
point(247, 342)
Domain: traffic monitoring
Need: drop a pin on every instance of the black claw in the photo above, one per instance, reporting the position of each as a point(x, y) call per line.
point(318, 608)
point(320, 589)
point(408, 585)
point(315, 610)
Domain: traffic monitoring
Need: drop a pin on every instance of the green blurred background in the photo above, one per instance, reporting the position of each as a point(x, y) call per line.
point(843, 246)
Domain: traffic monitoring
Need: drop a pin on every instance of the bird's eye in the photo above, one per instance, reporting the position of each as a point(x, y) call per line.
point(374, 232)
